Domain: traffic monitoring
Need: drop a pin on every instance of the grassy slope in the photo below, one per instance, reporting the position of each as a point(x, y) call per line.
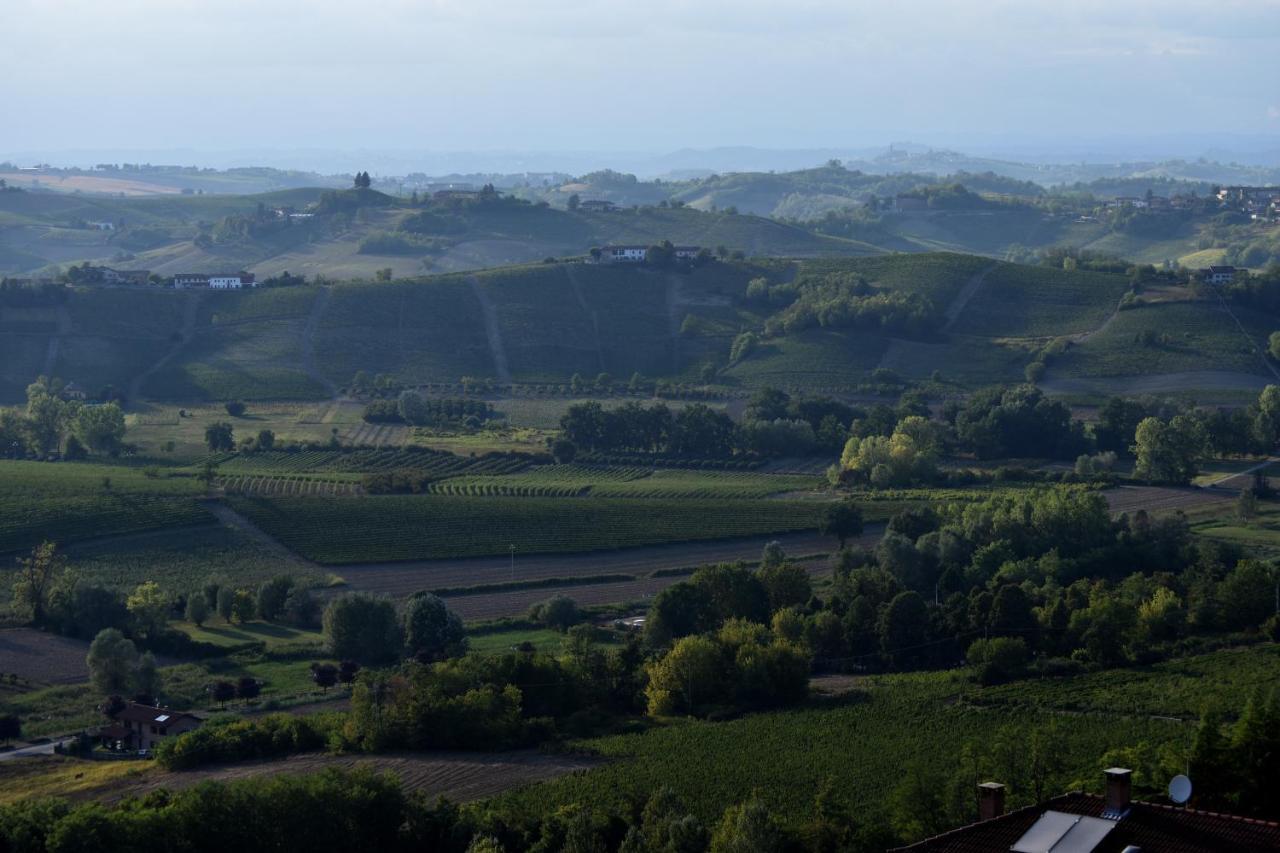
point(913, 724)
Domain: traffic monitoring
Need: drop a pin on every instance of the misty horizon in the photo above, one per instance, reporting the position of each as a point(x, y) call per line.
point(313, 86)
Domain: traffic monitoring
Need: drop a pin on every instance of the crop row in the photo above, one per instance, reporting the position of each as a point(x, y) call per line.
point(433, 526)
point(269, 485)
point(365, 461)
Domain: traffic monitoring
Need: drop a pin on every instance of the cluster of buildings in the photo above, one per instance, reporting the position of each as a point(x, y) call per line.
point(215, 281)
point(1258, 202)
point(1153, 202)
point(636, 254)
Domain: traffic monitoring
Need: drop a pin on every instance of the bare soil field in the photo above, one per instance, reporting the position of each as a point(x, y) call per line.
point(1162, 498)
point(42, 658)
point(496, 605)
point(459, 776)
point(406, 578)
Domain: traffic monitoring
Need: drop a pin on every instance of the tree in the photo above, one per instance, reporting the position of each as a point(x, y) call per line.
point(235, 408)
point(37, 574)
point(786, 585)
point(998, 659)
point(243, 606)
point(266, 439)
point(559, 612)
point(1273, 345)
point(842, 520)
point(272, 596)
point(147, 681)
point(10, 727)
point(693, 668)
point(112, 661)
point(248, 687)
point(226, 603)
point(903, 629)
point(300, 608)
point(564, 450)
point(1169, 452)
point(678, 611)
point(574, 201)
point(219, 436)
point(100, 428)
point(149, 607)
point(748, 828)
point(222, 692)
point(362, 627)
point(325, 675)
point(431, 630)
point(347, 671)
point(197, 609)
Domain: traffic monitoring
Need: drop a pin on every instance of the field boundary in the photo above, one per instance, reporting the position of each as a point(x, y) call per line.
point(492, 331)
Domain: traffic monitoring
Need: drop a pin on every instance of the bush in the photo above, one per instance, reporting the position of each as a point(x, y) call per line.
point(999, 659)
point(226, 740)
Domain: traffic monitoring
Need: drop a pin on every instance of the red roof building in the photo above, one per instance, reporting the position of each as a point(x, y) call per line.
point(1088, 823)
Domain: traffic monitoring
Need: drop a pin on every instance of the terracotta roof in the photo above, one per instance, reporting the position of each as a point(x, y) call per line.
point(1153, 828)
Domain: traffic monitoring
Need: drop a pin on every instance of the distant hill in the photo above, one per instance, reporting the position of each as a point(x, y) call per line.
point(822, 324)
point(341, 235)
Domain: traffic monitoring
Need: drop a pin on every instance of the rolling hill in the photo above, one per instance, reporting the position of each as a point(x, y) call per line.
point(542, 323)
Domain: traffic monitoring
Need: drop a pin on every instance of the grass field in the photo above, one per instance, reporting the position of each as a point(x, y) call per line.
point(68, 501)
point(391, 528)
point(1200, 337)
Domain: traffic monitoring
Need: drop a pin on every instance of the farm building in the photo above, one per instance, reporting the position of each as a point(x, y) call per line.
point(597, 205)
point(1088, 823)
point(140, 726)
point(111, 276)
point(1218, 275)
point(623, 254)
point(216, 281)
point(639, 254)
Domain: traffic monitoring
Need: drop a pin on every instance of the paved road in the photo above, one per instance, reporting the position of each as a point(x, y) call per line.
point(29, 751)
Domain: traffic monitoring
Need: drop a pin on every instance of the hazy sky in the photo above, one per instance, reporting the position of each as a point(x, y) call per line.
point(627, 74)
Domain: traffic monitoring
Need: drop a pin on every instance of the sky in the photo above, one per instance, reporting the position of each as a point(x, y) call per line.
point(634, 75)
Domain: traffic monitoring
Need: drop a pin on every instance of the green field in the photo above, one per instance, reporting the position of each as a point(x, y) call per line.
point(623, 482)
point(68, 501)
point(1200, 336)
point(902, 728)
point(362, 530)
point(1038, 302)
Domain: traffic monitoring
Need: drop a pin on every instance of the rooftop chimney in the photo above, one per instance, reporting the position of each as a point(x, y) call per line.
point(1119, 789)
point(990, 800)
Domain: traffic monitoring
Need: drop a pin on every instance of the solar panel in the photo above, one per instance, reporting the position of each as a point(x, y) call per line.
point(1084, 836)
point(1058, 832)
point(1045, 833)
point(162, 718)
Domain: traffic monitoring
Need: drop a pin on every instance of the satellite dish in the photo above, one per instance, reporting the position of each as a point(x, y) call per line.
point(1180, 789)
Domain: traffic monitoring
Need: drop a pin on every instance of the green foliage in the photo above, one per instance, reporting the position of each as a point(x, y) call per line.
point(362, 628)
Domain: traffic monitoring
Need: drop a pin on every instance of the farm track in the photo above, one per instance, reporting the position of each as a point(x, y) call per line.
point(492, 331)
point(55, 340)
point(962, 299)
point(594, 315)
point(309, 341)
point(459, 776)
point(230, 518)
point(190, 312)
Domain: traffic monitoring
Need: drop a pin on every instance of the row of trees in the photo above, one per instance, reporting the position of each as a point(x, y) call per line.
point(51, 424)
